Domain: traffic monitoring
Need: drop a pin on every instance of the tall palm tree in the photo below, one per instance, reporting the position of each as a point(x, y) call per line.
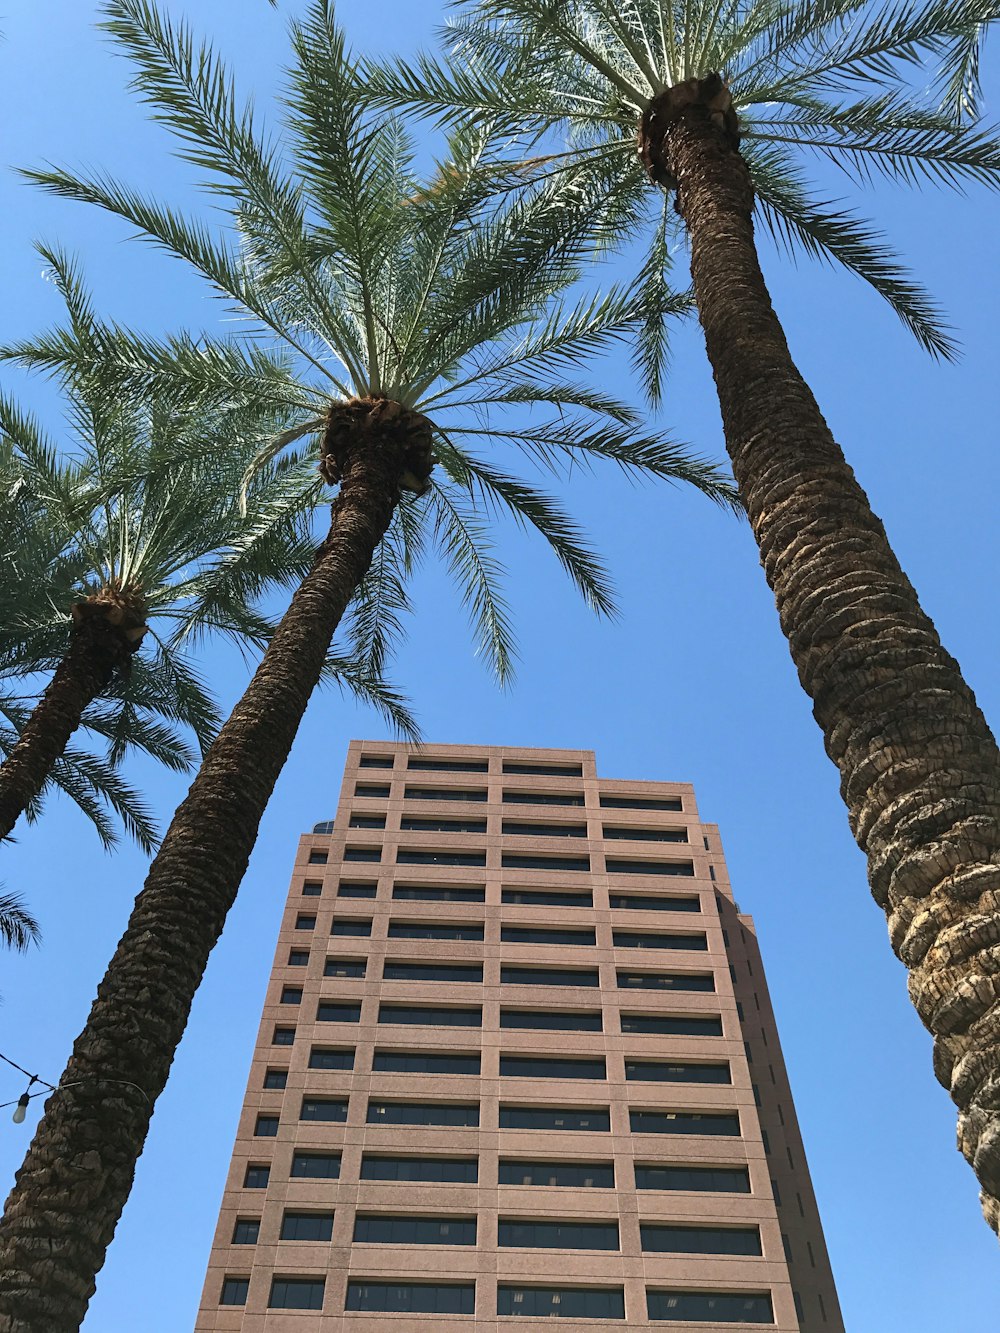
point(716, 107)
point(412, 325)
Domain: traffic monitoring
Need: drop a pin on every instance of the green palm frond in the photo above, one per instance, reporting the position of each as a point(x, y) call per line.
point(18, 928)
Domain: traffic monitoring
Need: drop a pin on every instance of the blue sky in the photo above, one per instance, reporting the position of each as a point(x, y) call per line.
point(692, 683)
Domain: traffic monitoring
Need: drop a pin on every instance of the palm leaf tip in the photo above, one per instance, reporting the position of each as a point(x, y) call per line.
point(18, 928)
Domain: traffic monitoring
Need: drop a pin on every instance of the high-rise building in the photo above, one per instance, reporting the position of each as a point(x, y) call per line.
point(517, 1061)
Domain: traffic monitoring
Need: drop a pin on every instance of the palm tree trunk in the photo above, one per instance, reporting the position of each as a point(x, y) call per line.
point(96, 650)
point(61, 1214)
point(920, 770)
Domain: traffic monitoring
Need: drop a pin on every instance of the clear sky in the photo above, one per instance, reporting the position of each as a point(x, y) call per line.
point(693, 683)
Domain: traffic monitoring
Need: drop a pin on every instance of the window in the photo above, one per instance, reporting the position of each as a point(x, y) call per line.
point(316, 1166)
point(417, 1014)
point(307, 1226)
point(550, 976)
point(312, 888)
point(234, 1291)
point(562, 1302)
point(362, 853)
point(641, 803)
point(578, 1021)
point(545, 898)
point(324, 1108)
point(649, 867)
point(685, 1122)
point(511, 862)
point(539, 935)
point(688, 981)
point(344, 967)
point(355, 889)
point(643, 902)
point(542, 798)
point(275, 1078)
point(246, 1231)
point(616, 833)
point(296, 1293)
point(407, 856)
point(412, 1298)
point(449, 765)
point(324, 826)
point(708, 1307)
point(424, 1062)
point(434, 1170)
point(409, 824)
point(407, 930)
point(704, 1179)
point(700, 1240)
point(443, 794)
point(283, 1036)
point(375, 761)
point(645, 939)
point(256, 1177)
point(434, 894)
point(357, 928)
point(546, 1066)
point(329, 1012)
point(317, 858)
point(298, 957)
point(328, 1057)
point(368, 789)
point(546, 770)
point(656, 1071)
point(266, 1126)
point(432, 972)
point(672, 1025)
point(552, 1117)
point(305, 921)
point(559, 1235)
point(382, 1230)
point(367, 821)
point(565, 1175)
point(423, 1113)
point(544, 830)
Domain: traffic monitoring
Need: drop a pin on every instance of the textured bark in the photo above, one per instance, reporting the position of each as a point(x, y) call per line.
point(61, 1215)
point(98, 648)
point(920, 769)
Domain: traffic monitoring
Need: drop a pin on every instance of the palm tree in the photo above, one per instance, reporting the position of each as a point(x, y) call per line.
point(412, 325)
point(716, 106)
point(18, 928)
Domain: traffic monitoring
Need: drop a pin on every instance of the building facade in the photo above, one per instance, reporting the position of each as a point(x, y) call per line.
point(517, 1062)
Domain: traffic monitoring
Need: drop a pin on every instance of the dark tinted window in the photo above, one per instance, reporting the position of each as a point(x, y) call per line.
point(650, 867)
point(552, 1022)
point(544, 830)
point(641, 803)
point(307, 1226)
point(552, 1117)
point(367, 821)
point(562, 1302)
point(323, 1108)
point(559, 1235)
point(329, 1012)
point(547, 770)
point(545, 898)
point(422, 1113)
point(363, 854)
point(375, 761)
point(435, 1170)
point(432, 972)
point(416, 1230)
point(344, 967)
point(234, 1291)
point(707, 1179)
point(542, 798)
point(298, 957)
point(284, 1036)
point(312, 888)
point(449, 765)
point(546, 1066)
point(656, 1071)
point(316, 1166)
point(317, 858)
point(443, 794)
point(512, 862)
point(367, 789)
point(256, 1177)
point(408, 857)
point(420, 893)
point(550, 976)
point(424, 1062)
point(410, 824)
point(266, 1126)
point(540, 935)
point(645, 834)
point(324, 826)
point(700, 1240)
point(648, 902)
point(296, 1293)
point(246, 1231)
point(325, 1057)
point(345, 927)
point(565, 1175)
point(275, 1078)
point(673, 1025)
point(412, 1298)
point(685, 1122)
point(646, 939)
point(690, 981)
point(420, 1014)
point(305, 921)
point(407, 930)
point(707, 1307)
point(356, 889)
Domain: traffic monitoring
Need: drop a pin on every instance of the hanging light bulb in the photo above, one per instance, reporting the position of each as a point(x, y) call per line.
point(21, 1108)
